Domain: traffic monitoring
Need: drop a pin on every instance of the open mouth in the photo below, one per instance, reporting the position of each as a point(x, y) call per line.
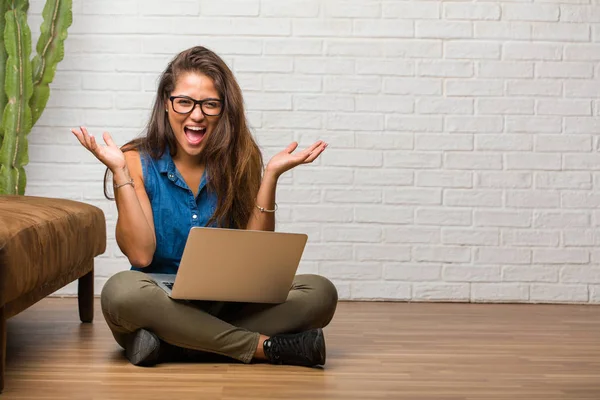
point(194, 134)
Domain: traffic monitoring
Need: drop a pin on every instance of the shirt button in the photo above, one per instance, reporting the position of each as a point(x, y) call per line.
point(194, 216)
point(171, 176)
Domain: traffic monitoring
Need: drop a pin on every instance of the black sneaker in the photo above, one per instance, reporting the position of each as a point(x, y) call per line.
point(143, 348)
point(305, 348)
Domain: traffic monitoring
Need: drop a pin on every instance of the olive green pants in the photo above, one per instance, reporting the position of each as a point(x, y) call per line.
point(131, 300)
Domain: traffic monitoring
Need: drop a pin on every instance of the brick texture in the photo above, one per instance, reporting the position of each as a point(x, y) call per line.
point(462, 163)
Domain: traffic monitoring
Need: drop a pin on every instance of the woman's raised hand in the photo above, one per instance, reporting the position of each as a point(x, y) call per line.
point(110, 155)
point(286, 160)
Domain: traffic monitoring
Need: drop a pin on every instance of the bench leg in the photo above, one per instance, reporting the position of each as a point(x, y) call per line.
point(85, 294)
point(2, 347)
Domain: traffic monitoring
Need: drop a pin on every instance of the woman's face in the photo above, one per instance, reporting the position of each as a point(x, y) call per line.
point(192, 128)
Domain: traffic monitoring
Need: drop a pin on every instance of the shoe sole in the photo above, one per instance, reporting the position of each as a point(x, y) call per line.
point(320, 346)
point(143, 347)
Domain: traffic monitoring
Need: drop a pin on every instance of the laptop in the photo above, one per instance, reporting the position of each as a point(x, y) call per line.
point(235, 265)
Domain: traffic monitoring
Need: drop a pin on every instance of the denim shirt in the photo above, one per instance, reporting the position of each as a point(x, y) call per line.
point(175, 210)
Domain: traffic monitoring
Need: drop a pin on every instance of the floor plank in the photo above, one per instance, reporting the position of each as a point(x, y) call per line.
point(419, 351)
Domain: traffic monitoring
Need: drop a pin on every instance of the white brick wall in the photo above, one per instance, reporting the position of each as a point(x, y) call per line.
point(463, 157)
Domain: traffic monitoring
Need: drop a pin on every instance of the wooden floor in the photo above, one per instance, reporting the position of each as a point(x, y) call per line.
point(375, 351)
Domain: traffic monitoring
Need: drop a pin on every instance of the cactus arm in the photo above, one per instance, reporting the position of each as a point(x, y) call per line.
point(17, 120)
point(50, 51)
point(3, 9)
point(19, 5)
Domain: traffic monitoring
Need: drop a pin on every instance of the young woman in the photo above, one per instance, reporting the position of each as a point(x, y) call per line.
point(198, 165)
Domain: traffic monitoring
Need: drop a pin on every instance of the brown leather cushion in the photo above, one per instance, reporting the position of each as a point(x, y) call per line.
point(44, 238)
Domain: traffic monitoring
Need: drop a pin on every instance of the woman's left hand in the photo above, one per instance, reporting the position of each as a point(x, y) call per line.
point(285, 160)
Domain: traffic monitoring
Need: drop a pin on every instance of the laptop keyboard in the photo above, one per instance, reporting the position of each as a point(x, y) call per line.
point(168, 284)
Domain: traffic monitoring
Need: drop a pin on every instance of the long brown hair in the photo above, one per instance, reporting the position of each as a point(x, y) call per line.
point(232, 158)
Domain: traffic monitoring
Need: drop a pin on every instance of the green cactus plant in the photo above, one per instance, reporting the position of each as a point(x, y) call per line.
point(26, 81)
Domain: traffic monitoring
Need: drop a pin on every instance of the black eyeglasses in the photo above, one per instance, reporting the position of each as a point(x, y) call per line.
point(185, 105)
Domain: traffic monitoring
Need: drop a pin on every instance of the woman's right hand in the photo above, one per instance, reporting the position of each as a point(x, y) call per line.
point(110, 155)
